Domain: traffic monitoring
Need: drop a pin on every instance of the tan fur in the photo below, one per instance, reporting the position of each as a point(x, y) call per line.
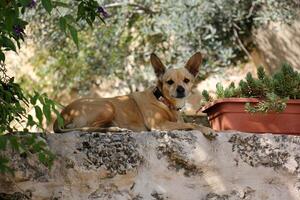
point(139, 111)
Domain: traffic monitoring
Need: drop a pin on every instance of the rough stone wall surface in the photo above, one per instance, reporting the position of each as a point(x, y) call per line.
point(160, 165)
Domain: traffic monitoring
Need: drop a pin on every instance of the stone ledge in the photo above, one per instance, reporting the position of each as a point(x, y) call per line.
point(160, 165)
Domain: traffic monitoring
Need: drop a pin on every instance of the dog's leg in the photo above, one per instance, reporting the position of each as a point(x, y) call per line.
point(207, 132)
point(104, 129)
point(95, 129)
point(93, 119)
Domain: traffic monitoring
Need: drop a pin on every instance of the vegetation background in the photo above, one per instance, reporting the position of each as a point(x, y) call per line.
point(114, 56)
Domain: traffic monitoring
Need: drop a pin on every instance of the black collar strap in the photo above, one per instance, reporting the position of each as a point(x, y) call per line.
point(159, 96)
point(157, 93)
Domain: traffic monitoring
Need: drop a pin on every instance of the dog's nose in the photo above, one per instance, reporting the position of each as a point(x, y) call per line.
point(180, 89)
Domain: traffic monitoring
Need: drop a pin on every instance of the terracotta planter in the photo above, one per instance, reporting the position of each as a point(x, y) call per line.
point(230, 114)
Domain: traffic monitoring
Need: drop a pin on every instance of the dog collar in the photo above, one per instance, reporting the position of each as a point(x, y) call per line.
point(159, 96)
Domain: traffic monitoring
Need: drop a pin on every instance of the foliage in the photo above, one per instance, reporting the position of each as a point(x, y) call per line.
point(271, 103)
point(206, 96)
point(70, 68)
point(15, 104)
point(26, 144)
point(274, 90)
point(15, 117)
point(12, 26)
point(220, 29)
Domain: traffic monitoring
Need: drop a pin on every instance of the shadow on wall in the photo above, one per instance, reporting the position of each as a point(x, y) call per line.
point(277, 43)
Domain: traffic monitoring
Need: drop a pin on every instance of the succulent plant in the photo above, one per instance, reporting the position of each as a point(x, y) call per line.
point(273, 90)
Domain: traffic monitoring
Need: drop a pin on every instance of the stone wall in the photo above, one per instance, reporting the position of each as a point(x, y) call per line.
point(160, 165)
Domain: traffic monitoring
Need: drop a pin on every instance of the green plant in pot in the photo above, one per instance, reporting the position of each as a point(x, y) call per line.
point(261, 104)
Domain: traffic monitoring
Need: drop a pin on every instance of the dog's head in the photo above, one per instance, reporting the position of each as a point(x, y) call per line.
point(176, 83)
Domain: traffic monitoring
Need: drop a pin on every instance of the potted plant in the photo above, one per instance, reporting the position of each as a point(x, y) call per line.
point(267, 104)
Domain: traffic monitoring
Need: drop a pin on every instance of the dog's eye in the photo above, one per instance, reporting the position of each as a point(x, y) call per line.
point(186, 80)
point(170, 82)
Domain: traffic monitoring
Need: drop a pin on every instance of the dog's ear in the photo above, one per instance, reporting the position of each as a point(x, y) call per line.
point(194, 63)
point(157, 65)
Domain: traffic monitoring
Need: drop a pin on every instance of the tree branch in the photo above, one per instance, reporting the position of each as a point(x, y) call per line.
point(139, 6)
point(240, 42)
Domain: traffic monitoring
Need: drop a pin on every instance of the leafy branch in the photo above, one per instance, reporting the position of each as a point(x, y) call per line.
point(17, 107)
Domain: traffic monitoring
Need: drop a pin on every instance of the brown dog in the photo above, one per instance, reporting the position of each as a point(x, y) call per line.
point(155, 108)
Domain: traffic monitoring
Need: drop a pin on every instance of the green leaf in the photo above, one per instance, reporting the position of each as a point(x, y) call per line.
point(2, 56)
point(39, 115)
point(89, 21)
point(47, 4)
point(24, 2)
point(41, 99)
point(23, 10)
point(220, 90)
point(30, 140)
point(8, 43)
point(30, 121)
point(69, 18)
point(46, 158)
point(47, 112)
point(59, 4)
point(63, 24)
point(14, 142)
point(59, 119)
point(10, 20)
point(34, 98)
point(3, 142)
point(4, 165)
point(80, 11)
point(206, 96)
point(92, 16)
point(38, 146)
point(42, 158)
point(74, 34)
